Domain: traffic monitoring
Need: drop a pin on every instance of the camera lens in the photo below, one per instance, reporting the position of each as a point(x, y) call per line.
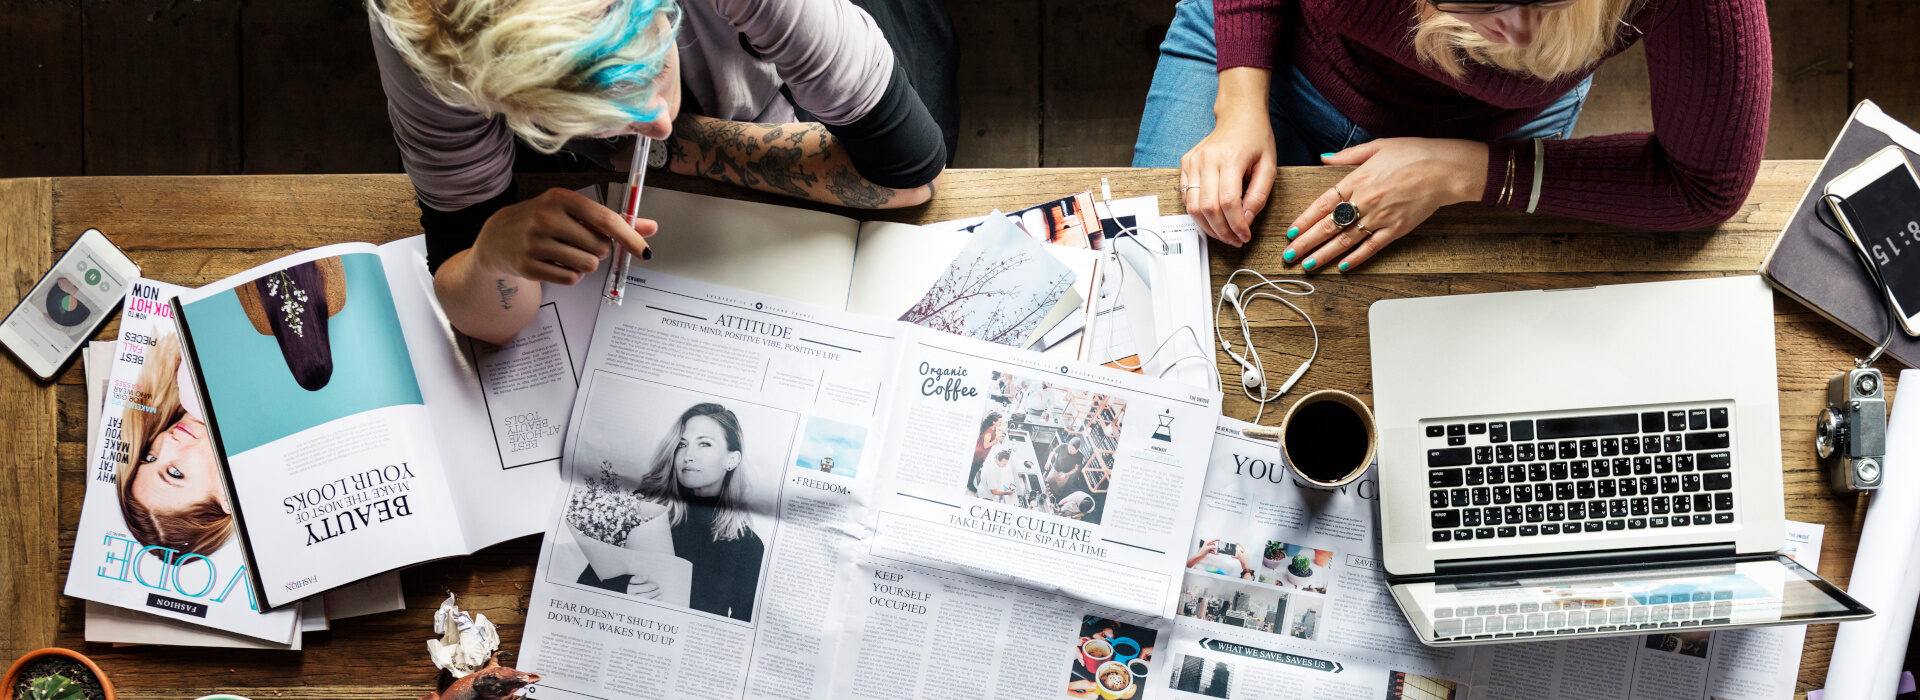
point(1828, 433)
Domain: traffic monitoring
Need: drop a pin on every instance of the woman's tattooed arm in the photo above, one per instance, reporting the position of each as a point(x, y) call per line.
point(801, 160)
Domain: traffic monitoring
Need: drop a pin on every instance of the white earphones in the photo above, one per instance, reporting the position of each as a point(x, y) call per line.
point(1253, 375)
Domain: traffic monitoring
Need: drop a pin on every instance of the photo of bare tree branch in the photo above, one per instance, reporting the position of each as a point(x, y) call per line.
point(997, 289)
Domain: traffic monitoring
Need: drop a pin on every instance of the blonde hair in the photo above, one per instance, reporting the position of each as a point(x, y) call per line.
point(1568, 40)
point(555, 69)
point(200, 528)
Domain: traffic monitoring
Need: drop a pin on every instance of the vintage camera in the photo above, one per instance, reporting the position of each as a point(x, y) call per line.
point(1851, 436)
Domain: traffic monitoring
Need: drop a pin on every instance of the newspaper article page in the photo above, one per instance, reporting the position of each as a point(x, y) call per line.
point(1065, 477)
point(920, 632)
point(1759, 663)
point(1284, 594)
point(716, 477)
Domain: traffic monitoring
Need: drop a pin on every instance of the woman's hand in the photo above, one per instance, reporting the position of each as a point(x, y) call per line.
point(643, 587)
point(1400, 182)
point(557, 237)
point(1233, 167)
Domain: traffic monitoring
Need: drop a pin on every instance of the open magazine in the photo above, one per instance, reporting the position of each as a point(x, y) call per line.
point(953, 280)
point(357, 431)
point(770, 499)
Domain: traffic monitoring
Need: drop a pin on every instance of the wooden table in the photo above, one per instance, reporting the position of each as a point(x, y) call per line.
point(195, 230)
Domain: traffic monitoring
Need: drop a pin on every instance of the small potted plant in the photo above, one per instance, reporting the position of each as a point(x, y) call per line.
point(1300, 572)
point(1276, 553)
point(55, 674)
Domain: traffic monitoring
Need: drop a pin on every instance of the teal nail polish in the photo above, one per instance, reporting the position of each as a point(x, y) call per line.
point(1325, 156)
point(1308, 265)
point(1287, 256)
point(1344, 266)
point(1293, 232)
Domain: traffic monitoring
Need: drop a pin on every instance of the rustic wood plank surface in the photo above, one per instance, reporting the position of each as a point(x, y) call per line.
point(1096, 65)
point(998, 82)
point(308, 76)
point(1809, 76)
point(1883, 67)
point(41, 105)
point(29, 496)
point(193, 230)
point(141, 56)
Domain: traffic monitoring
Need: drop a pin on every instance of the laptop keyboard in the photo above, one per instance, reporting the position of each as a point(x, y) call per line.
point(1620, 613)
point(1505, 478)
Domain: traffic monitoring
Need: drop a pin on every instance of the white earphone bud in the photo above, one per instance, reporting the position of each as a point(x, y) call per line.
point(1252, 372)
point(1250, 375)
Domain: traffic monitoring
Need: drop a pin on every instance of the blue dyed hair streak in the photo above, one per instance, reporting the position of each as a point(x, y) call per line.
point(608, 65)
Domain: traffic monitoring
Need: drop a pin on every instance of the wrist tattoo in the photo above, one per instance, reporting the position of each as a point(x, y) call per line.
point(506, 293)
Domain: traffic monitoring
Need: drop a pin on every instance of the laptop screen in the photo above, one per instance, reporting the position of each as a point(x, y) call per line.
point(1734, 592)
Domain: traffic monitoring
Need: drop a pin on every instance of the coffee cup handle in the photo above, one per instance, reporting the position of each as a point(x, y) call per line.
point(1262, 432)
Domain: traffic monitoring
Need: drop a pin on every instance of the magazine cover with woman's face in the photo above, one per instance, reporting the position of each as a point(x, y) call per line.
point(157, 532)
point(673, 498)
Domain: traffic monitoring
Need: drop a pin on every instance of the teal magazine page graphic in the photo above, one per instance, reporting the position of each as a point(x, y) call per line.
point(300, 347)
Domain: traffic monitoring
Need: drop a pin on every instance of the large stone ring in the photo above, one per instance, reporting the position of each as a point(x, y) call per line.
point(1345, 213)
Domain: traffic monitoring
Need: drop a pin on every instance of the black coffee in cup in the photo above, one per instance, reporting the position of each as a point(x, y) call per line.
point(1326, 440)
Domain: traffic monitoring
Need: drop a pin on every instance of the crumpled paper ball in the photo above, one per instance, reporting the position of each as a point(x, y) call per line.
point(466, 640)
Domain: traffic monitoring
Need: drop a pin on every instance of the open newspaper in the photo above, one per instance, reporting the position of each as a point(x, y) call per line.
point(768, 499)
point(1284, 594)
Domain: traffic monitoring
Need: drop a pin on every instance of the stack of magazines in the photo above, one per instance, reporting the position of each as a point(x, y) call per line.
point(141, 587)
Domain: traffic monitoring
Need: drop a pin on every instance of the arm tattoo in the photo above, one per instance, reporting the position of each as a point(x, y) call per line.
point(506, 293)
point(802, 160)
point(854, 190)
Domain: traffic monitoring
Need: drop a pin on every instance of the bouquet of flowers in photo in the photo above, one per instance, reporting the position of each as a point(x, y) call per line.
point(604, 509)
point(622, 533)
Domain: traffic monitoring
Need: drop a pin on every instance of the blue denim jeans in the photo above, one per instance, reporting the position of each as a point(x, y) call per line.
point(1180, 104)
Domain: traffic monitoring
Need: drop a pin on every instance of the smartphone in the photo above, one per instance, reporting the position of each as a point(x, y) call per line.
point(1228, 548)
point(68, 305)
point(1882, 214)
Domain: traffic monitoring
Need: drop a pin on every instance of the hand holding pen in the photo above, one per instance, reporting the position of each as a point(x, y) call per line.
point(558, 236)
point(615, 290)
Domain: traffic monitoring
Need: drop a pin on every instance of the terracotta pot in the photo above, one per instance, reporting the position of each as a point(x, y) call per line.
point(20, 664)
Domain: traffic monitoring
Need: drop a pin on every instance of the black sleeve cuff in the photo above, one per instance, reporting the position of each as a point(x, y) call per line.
point(897, 144)
point(450, 232)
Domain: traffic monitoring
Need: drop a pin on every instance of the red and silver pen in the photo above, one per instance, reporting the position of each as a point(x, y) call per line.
point(616, 288)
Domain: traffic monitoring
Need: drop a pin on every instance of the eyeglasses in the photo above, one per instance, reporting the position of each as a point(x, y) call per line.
point(1486, 8)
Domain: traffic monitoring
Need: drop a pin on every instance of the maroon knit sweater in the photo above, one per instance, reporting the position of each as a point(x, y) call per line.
point(1709, 63)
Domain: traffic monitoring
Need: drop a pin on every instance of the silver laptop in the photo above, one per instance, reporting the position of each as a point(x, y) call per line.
point(1586, 462)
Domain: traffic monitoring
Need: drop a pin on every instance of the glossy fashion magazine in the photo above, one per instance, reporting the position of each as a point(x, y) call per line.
point(157, 532)
point(361, 434)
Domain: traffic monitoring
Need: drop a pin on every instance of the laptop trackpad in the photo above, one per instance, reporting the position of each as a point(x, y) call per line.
point(1733, 592)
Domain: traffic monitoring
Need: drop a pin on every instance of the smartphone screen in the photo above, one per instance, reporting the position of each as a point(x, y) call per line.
point(1885, 215)
point(69, 304)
